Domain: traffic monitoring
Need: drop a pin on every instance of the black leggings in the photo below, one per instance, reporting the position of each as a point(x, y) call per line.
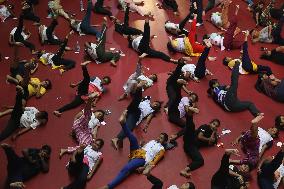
point(231, 98)
point(198, 11)
point(18, 35)
point(82, 90)
point(14, 121)
point(124, 27)
point(247, 64)
point(157, 183)
point(144, 45)
point(58, 60)
point(98, 8)
point(49, 34)
point(210, 5)
point(81, 179)
point(200, 66)
point(170, 4)
point(28, 14)
point(182, 24)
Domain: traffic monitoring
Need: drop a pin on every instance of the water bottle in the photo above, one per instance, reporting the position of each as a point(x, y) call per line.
point(81, 6)
point(77, 48)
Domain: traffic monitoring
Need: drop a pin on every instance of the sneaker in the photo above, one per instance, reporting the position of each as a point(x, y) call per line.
point(190, 20)
point(199, 24)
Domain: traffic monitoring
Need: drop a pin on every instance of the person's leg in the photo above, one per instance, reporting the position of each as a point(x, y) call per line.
point(157, 54)
point(225, 15)
point(210, 5)
point(264, 183)
point(184, 21)
point(49, 33)
point(81, 180)
point(239, 106)
point(228, 36)
point(125, 26)
point(18, 33)
point(246, 61)
point(197, 160)
point(199, 11)
point(264, 69)
point(157, 183)
point(28, 45)
point(200, 66)
point(98, 8)
point(126, 170)
point(74, 104)
point(277, 32)
point(68, 64)
point(83, 87)
point(145, 41)
point(31, 16)
point(86, 25)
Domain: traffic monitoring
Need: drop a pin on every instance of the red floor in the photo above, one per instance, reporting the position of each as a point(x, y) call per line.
point(56, 132)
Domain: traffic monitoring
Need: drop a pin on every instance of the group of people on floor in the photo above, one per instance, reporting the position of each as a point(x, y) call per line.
point(86, 157)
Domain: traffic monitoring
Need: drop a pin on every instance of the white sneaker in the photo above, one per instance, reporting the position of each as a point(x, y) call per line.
point(199, 24)
point(190, 20)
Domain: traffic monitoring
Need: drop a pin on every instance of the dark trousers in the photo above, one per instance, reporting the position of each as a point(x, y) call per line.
point(157, 183)
point(247, 64)
point(133, 113)
point(14, 121)
point(229, 42)
point(200, 66)
point(98, 8)
point(266, 178)
point(86, 23)
point(183, 23)
point(170, 4)
point(198, 11)
point(81, 178)
point(277, 13)
point(124, 28)
point(28, 14)
point(277, 32)
point(190, 147)
point(103, 55)
point(210, 5)
point(49, 34)
point(82, 90)
point(58, 59)
point(144, 46)
point(231, 98)
point(19, 38)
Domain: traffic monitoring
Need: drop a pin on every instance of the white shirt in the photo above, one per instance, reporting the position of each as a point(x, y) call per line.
point(173, 187)
point(44, 35)
point(152, 148)
point(136, 42)
point(28, 118)
point(146, 109)
point(98, 83)
point(93, 51)
point(183, 102)
point(189, 68)
point(93, 122)
point(216, 39)
point(4, 13)
point(145, 78)
point(172, 27)
point(48, 57)
point(264, 138)
point(92, 156)
point(216, 18)
point(278, 175)
point(13, 33)
point(180, 47)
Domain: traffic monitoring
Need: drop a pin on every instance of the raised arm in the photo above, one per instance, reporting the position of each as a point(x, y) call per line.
point(95, 168)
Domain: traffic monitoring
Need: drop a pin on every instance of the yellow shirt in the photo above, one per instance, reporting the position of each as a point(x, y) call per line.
point(241, 70)
point(32, 87)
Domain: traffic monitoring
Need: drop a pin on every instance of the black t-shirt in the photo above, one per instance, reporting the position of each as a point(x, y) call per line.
point(207, 132)
point(31, 169)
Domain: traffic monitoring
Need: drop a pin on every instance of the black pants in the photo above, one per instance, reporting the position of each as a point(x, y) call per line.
point(19, 38)
point(49, 34)
point(170, 4)
point(144, 46)
point(183, 23)
point(98, 8)
point(190, 147)
point(210, 5)
point(58, 59)
point(266, 178)
point(28, 14)
point(82, 90)
point(103, 55)
point(198, 11)
point(80, 180)
point(157, 183)
point(200, 66)
point(277, 13)
point(247, 64)
point(14, 121)
point(124, 27)
point(277, 32)
point(231, 98)
point(133, 113)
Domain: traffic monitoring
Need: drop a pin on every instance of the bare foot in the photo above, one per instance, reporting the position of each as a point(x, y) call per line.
point(122, 118)
point(61, 153)
point(114, 143)
point(86, 63)
point(113, 64)
point(122, 97)
point(5, 145)
point(143, 55)
point(257, 118)
point(185, 173)
point(57, 113)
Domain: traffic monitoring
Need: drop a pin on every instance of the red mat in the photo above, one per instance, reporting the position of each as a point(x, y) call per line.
point(56, 132)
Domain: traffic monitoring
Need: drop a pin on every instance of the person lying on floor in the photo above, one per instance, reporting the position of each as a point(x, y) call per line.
point(279, 122)
point(133, 6)
point(261, 14)
point(230, 176)
point(227, 96)
point(84, 27)
point(275, 55)
point(254, 144)
point(138, 110)
point(141, 158)
point(28, 12)
point(99, 8)
point(6, 11)
point(199, 71)
point(83, 164)
point(26, 119)
point(123, 28)
point(177, 29)
point(56, 61)
point(187, 44)
point(84, 88)
point(158, 184)
point(137, 77)
point(247, 66)
point(56, 9)
point(141, 44)
point(23, 168)
point(270, 173)
point(271, 87)
point(19, 36)
point(96, 51)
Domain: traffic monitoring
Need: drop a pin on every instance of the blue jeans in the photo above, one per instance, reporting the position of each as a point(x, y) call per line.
point(86, 25)
point(132, 164)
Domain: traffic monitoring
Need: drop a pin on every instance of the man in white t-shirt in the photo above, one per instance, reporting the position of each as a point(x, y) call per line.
point(177, 29)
